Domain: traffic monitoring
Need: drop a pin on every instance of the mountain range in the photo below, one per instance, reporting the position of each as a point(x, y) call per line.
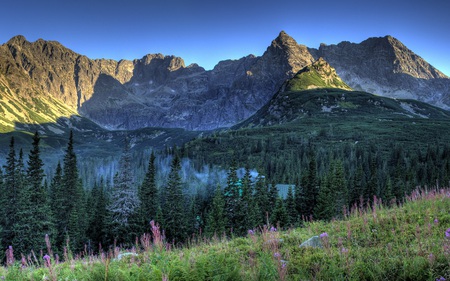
point(45, 82)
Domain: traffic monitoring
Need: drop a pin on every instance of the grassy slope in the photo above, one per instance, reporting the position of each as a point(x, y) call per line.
point(399, 243)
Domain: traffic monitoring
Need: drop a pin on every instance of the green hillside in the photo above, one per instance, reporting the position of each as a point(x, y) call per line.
point(318, 75)
point(410, 242)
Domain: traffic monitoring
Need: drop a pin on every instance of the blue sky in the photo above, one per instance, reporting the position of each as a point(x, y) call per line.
point(206, 32)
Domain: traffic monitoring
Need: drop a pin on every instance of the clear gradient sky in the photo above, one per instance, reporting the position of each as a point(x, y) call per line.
point(206, 32)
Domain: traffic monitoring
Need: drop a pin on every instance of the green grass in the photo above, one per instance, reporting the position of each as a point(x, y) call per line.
point(398, 243)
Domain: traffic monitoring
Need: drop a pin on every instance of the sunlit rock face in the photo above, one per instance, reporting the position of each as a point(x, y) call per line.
point(161, 91)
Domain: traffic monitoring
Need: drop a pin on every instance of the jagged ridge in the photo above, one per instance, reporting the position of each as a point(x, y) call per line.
point(159, 90)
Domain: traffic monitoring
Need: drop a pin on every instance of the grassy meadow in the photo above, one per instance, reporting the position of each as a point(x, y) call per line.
point(410, 241)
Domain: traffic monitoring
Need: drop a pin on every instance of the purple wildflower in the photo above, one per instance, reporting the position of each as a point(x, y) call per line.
point(323, 235)
point(272, 229)
point(344, 250)
point(440, 279)
point(436, 221)
point(47, 260)
point(277, 255)
point(431, 257)
point(447, 233)
point(251, 232)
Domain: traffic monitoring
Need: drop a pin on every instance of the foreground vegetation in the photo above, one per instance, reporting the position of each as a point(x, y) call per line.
point(402, 242)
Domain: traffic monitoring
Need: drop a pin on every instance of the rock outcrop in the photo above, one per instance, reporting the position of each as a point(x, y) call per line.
point(386, 67)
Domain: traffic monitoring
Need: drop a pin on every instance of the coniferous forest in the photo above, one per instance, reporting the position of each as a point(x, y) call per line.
point(324, 183)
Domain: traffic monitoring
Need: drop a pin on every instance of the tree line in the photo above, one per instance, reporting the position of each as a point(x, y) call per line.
point(90, 219)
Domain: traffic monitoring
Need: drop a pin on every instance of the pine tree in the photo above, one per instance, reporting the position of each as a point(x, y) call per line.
point(388, 194)
point(216, 221)
point(261, 200)
point(326, 199)
point(372, 184)
point(246, 213)
point(290, 208)
point(273, 195)
point(97, 226)
point(300, 201)
point(310, 184)
point(232, 197)
point(34, 219)
point(279, 216)
point(175, 219)
point(339, 185)
point(148, 196)
point(70, 204)
point(125, 201)
point(10, 195)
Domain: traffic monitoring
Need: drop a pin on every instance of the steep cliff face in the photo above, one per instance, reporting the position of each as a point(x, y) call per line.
point(159, 90)
point(386, 67)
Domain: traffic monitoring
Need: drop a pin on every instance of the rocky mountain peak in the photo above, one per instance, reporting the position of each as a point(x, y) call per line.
point(17, 40)
point(287, 53)
point(284, 40)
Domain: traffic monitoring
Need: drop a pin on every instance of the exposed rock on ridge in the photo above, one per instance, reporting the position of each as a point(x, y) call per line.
point(156, 90)
point(386, 67)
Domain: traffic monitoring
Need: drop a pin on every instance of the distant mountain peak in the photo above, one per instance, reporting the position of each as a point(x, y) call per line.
point(17, 40)
point(317, 75)
point(283, 40)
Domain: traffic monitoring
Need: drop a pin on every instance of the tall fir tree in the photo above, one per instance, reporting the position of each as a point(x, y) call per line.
point(372, 183)
point(175, 220)
point(96, 231)
point(34, 219)
point(148, 196)
point(310, 184)
point(232, 194)
point(11, 189)
point(339, 184)
point(216, 221)
point(326, 199)
point(70, 205)
point(261, 200)
point(246, 213)
point(273, 195)
point(125, 202)
point(279, 215)
point(300, 201)
point(290, 208)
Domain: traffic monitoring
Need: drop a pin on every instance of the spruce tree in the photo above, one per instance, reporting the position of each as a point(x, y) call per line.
point(279, 215)
point(216, 221)
point(148, 196)
point(310, 184)
point(125, 202)
point(372, 184)
point(261, 199)
point(290, 208)
point(300, 201)
point(273, 195)
point(232, 194)
point(10, 195)
point(34, 219)
point(246, 214)
point(175, 217)
point(326, 199)
point(339, 185)
point(71, 204)
point(97, 226)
